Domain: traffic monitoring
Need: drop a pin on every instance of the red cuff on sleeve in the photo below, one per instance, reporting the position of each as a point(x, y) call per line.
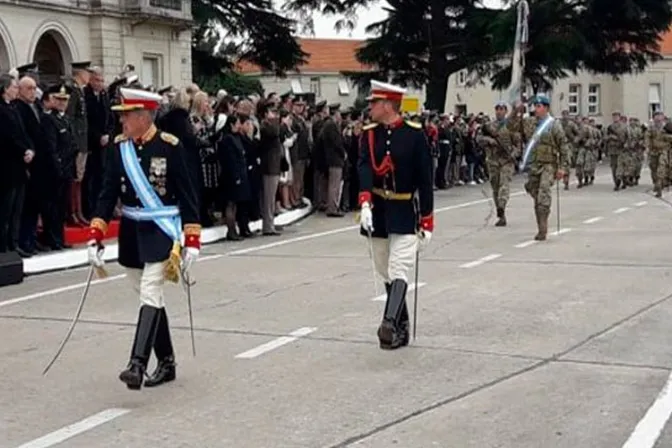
point(427, 223)
point(192, 241)
point(96, 234)
point(364, 196)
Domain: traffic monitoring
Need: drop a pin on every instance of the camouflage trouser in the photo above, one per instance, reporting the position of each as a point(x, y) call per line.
point(574, 154)
point(581, 162)
point(500, 180)
point(539, 182)
point(664, 171)
point(590, 161)
point(654, 159)
point(639, 161)
point(613, 163)
point(626, 164)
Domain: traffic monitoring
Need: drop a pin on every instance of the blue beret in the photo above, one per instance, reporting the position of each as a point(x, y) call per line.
point(542, 99)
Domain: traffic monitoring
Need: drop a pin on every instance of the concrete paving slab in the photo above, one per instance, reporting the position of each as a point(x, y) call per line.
point(554, 406)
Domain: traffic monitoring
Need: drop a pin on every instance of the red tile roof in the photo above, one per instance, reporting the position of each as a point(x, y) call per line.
point(324, 56)
point(666, 43)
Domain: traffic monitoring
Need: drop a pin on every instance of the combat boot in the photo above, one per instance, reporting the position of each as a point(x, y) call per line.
point(501, 222)
point(636, 182)
point(592, 180)
point(617, 185)
point(145, 332)
point(163, 348)
point(392, 333)
point(542, 224)
point(580, 183)
point(565, 179)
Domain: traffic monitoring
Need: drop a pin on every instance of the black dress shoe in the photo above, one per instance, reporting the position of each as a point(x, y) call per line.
point(164, 373)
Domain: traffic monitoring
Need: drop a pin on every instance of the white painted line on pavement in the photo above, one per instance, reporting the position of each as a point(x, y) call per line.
point(480, 261)
point(560, 232)
point(74, 429)
point(650, 427)
point(621, 210)
point(383, 297)
point(311, 236)
point(526, 244)
point(641, 204)
point(593, 220)
point(39, 295)
point(276, 343)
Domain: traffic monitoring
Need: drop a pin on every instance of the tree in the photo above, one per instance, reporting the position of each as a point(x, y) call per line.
point(250, 30)
point(423, 42)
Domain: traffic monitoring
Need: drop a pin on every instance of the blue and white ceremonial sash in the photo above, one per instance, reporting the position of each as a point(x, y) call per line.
point(166, 217)
point(541, 128)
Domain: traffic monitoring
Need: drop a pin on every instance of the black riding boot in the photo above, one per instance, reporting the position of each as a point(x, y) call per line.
point(404, 324)
point(391, 332)
point(163, 349)
point(145, 332)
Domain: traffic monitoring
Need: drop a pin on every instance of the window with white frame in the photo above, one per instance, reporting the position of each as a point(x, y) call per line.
point(315, 86)
point(151, 70)
point(594, 99)
point(343, 88)
point(296, 86)
point(574, 99)
point(654, 99)
point(462, 78)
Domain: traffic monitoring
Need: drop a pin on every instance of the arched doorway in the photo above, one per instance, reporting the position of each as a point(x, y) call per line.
point(50, 58)
point(5, 61)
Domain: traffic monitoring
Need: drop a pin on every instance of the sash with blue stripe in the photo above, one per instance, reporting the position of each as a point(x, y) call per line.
point(541, 128)
point(166, 217)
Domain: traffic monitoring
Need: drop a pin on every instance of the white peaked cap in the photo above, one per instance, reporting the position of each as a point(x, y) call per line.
point(385, 91)
point(135, 99)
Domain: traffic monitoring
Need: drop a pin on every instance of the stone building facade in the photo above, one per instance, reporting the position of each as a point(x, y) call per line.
point(153, 35)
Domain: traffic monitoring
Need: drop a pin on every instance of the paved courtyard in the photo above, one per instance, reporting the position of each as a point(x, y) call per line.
point(564, 343)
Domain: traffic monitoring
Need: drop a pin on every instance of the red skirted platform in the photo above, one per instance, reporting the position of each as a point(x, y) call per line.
point(80, 235)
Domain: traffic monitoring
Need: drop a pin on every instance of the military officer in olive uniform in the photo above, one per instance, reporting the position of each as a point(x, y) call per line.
point(546, 152)
point(500, 154)
point(572, 132)
point(394, 165)
point(148, 171)
point(78, 117)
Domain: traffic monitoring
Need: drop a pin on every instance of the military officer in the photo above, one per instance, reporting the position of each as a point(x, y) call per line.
point(616, 141)
point(394, 165)
point(638, 146)
point(61, 149)
point(148, 172)
point(657, 143)
point(572, 132)
point(500, 155)
point(547, 153)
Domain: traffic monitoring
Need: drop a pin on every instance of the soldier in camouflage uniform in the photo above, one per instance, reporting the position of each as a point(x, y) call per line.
point(657, 143)
point(638, 145)
point(616, 139)
point(500, 154)
point(592, 153)
point(572, 132)
point(584, 142)
point(548, 156)
point(664, 171)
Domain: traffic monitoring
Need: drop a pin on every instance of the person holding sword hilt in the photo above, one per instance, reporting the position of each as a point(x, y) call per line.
point(148, 171)
point(547, 154)
point(395, 165)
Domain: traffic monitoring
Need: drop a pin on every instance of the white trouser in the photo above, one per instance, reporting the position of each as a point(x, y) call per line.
point(148, 283)
point(394, 256)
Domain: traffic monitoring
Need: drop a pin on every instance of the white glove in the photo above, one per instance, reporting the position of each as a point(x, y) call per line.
point(95, 251)
point(424, 238)
point(189, 256)
point(366, 217)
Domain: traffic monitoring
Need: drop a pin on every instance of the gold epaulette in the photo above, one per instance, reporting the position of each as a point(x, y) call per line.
point(369, 126)
point(413, 124)
point(169, 138)
point(120, 138)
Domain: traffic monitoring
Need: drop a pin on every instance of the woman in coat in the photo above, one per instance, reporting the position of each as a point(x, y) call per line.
point(234, 184)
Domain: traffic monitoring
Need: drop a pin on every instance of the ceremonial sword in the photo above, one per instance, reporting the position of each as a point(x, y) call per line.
point(80, 307)
point(187, 284)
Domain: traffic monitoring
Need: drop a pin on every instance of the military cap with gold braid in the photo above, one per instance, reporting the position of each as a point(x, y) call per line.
point(136, 99)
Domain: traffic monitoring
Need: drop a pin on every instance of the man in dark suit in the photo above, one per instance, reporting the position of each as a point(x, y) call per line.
point(37, 194)
point(16, 153)
point(100, 124)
